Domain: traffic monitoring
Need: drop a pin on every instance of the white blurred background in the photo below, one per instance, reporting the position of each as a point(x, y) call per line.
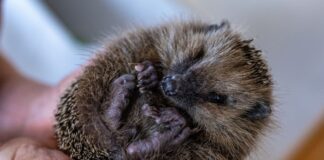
point(48, 39)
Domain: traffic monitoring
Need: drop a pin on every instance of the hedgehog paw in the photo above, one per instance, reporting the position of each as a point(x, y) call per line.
point(146, 76)
point(122, 89)
point(176, 133)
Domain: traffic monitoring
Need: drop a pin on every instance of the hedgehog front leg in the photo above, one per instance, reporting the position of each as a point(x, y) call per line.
point(122, 89)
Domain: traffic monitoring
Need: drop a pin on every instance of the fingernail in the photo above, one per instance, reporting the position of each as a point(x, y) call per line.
point(130, 149)
point(145, 106)
point(139, 67)
point(158, 120)
point(142, 90)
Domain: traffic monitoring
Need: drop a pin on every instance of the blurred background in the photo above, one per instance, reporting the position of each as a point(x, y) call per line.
point(47, 39)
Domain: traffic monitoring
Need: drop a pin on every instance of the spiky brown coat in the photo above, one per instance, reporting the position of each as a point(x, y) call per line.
point(219, 59)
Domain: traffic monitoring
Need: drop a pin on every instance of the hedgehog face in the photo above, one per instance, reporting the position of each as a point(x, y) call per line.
point(218, 78)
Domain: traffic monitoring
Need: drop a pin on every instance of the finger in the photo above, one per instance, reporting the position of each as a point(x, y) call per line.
point(150, 111)
point(143, 82)
point(132, 132)
point(153, 143)
point(140, 149)
point(147, 87)
point(146, 73)
point(148, 82)
point(128, 77)
point(171, 118)
point(182, 136)
point(130, 85)
point(141, 66)
point(124, 79)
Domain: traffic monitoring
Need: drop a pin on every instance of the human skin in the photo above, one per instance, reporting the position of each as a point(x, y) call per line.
point(27, 110)
point(28, 149)
point(27, 107)
point(27, 114)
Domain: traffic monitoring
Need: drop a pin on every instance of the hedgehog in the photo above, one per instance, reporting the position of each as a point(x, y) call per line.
point(181, 90)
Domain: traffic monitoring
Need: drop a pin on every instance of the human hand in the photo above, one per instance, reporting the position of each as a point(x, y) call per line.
point(28, 108)
point(28, 111)
point(28, 149)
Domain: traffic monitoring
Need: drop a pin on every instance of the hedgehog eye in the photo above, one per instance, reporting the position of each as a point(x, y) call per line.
point(200, 54)
point(217, 98)
point(258, 111)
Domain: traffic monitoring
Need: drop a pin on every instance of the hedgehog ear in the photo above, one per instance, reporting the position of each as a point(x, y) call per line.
point(214, 27)
point(211, 28)
point(258, 111)
point(225, 24)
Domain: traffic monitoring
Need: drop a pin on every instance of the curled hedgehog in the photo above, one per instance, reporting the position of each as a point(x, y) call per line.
point(197, 91)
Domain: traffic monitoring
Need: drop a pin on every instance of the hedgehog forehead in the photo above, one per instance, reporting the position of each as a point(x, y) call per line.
point(188, 43)
point(215, 53)
point(232, 72)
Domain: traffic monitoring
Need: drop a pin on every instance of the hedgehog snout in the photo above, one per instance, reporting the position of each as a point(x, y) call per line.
point(170, 84)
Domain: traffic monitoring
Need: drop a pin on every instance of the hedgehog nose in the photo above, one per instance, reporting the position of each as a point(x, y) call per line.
point(170, 85)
